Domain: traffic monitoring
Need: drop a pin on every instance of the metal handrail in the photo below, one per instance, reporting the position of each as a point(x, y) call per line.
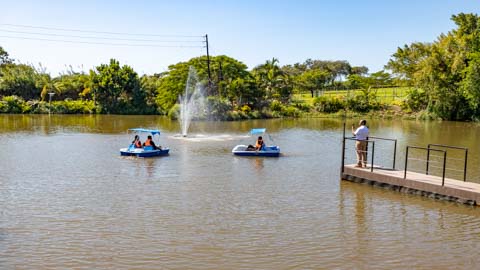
point(373, 154)
point(452, 147)
point(381, 138)
point(384, 139)
point(373, 150)
point(428, 153)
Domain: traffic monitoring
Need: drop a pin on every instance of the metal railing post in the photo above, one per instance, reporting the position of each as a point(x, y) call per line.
point(373, 154)
point(366, 150)
point(428, 159)
point(458, 148)
point(394, 154)
point(394, 159)
point(406, 164)
point(465, 166)
point(343, 156)
point(444, 166)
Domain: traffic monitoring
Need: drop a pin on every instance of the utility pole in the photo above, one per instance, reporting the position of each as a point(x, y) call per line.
point(220, 79)
point(220, 75)
point(208, 62)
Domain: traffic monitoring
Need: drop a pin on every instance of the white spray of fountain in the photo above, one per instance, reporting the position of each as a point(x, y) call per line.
point(192, 103)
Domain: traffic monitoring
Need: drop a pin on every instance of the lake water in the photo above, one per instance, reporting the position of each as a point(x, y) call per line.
point(69, 201)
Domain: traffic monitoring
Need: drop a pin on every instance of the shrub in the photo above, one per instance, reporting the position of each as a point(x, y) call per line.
point(416, 100)
point(174, 112)
point(40, 107)
point(329, 104)
point(69, 106)
point(275, 114)
point(232, 116)
point(291, 111)
point(364, 102)
point(3, 107)
point(218, 107)
point(255, 115)
point(301, 105)
point(276, 106)
point(26, 107)
point(246, 109)
point(267, 113)
point(13, 104)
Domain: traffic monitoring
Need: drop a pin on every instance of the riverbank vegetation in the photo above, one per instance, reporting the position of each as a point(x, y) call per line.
point(440, 79)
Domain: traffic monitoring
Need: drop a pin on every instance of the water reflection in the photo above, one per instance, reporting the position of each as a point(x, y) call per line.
point(376, 214)
point(257, 163)
point(73, 202)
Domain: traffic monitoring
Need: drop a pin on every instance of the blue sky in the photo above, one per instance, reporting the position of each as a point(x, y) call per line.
point(361, 32)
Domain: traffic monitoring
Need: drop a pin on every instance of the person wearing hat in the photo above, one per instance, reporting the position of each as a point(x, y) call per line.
point(361, 135)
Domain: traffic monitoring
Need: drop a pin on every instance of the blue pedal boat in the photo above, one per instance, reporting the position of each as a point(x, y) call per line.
point(265, 151)
point(146, 151)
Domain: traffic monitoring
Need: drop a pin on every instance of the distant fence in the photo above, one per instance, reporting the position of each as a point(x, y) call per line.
point(388, 93)
point(383, 94)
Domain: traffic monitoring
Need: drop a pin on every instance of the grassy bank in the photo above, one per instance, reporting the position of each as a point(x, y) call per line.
point(381, 102)
point(386, 95)
point(376, 102)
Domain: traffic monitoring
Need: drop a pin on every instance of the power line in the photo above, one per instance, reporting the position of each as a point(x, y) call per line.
point(105, 38)
point(103, 43)
point(97, 32)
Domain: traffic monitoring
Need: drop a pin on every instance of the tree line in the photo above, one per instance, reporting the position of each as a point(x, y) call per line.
point(444, 74)
point(266, 90)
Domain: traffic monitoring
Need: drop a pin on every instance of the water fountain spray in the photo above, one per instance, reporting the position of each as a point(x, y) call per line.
point(192, 102)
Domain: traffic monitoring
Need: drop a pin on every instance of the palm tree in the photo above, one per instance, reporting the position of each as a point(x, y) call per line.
point(274, 80)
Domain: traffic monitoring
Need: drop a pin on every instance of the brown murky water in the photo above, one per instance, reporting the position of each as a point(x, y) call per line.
point(69, 201)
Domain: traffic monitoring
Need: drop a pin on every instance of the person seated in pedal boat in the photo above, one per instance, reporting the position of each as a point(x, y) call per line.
point(136, 142)
point(259, 144)
point(149, 142)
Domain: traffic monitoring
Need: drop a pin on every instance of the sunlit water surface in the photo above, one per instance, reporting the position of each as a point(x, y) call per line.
point(69, 201)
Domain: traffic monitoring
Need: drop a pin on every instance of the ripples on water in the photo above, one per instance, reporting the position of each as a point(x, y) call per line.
point(68, 201)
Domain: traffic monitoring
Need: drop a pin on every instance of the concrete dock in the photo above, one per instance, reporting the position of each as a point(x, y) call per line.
point(416, 183)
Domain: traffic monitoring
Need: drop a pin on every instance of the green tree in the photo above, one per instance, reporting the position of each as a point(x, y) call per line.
point(312, 80)
point(245, 91)
point(150, 86)
point(72, 85)
point(357, 81)
point(468, 36)
point(274, 81)
point(4, 57)
point(446, 70)
point(406, 61)
point(225, 71)
point(361, 70)
point(117, 89)
point(21, 80)
point(336, 69)
point(380, 79)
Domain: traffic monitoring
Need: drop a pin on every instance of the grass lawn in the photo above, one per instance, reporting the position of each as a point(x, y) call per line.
point(385, 95)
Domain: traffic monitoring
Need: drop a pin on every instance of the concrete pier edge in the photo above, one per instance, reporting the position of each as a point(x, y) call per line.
point(408, 190)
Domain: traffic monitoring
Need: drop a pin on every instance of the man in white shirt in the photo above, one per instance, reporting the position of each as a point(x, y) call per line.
point(361, 134)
